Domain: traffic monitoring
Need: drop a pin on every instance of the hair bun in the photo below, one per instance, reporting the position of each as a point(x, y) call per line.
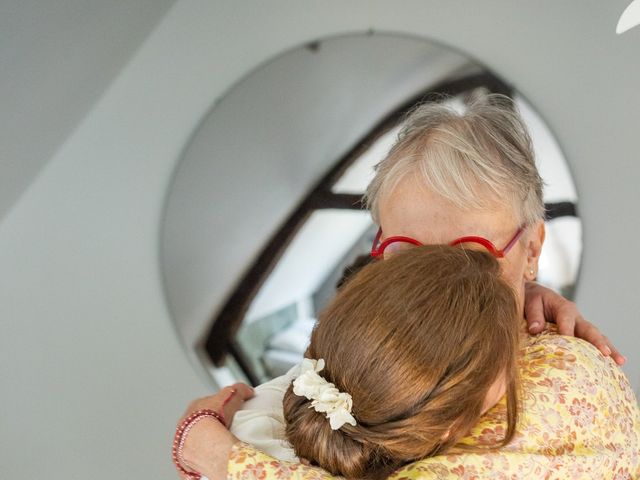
point(312, 437)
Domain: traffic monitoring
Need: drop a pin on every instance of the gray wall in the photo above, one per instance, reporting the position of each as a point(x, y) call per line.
point(93, 374)
point(56, 59)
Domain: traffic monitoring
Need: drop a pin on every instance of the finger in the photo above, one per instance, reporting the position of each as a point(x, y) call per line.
point(566, 320)
point(590, 333)
point(617, 356)
point(244, 390)
point(607, 349)
point(235, 397)
point(534, 313)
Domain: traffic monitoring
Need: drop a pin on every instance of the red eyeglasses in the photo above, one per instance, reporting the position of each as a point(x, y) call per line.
point(393, 245)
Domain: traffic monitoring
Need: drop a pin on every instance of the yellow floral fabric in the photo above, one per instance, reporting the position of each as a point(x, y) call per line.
point(579, 420)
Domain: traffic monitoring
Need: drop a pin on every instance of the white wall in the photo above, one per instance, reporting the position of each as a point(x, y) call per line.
point(93, 375)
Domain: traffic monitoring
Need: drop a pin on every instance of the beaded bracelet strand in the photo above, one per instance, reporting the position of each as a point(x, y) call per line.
point(183, 430)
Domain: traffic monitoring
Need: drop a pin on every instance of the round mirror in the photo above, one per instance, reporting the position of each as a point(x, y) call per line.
point(263, 215)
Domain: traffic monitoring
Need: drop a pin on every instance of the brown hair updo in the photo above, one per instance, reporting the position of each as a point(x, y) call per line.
point(416, 340)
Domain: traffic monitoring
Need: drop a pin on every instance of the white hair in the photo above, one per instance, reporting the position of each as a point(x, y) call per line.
point(476, 159)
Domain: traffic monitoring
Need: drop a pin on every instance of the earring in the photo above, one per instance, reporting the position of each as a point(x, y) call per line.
point(531, 272)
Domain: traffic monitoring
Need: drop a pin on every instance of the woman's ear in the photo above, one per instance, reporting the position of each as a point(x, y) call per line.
point(534, 248)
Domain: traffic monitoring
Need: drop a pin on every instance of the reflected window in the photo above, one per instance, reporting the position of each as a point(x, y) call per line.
point(276, 329)
point(360, 173)
point(276, 307)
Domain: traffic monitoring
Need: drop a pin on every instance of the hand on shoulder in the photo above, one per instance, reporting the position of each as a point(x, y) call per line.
point(543, 304)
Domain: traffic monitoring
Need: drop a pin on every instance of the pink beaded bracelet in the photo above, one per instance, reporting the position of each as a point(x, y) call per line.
point(183, 430)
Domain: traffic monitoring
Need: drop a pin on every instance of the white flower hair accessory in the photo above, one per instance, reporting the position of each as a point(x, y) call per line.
point(325, 397)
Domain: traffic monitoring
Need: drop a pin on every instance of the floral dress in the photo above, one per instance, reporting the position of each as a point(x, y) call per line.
point(579, 420)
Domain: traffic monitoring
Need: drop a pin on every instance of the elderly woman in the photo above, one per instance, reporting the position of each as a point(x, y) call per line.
point(468, 179)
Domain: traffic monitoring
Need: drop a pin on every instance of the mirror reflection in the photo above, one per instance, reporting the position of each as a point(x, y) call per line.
point(331, 242)
point(312, 124)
